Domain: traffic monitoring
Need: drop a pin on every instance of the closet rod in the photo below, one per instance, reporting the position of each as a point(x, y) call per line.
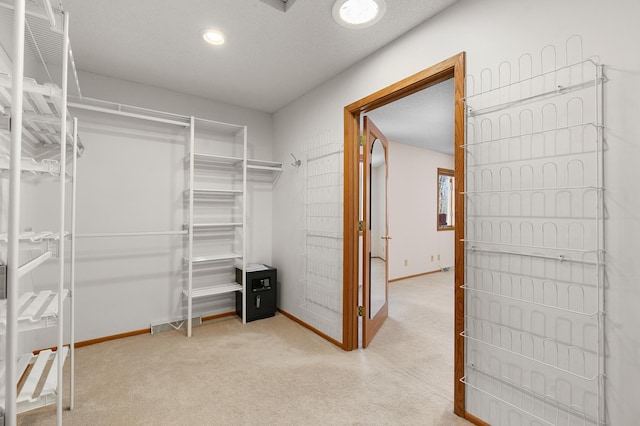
point(127, 114)
point(130, 234)
point(140, 112)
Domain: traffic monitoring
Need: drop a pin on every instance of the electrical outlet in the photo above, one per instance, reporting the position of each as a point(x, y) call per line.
point(438, 257)
point(432, 258)
point(406, 262)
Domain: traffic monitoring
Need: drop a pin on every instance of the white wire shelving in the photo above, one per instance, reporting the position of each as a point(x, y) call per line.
point(40, 383)
point(219, 171)
point(30, 167)
point(534, 240)
point(526, 400)
point(43, 140)
point(43, 110)
point(216, 199)
point(215, 209)
point(35, 310)
point(320, 301)
point(220, 161)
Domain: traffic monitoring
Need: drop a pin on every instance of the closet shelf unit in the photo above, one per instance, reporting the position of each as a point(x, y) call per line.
point(534, 240)
point(216, 199)
point(41, 137)
point(216, 203)
point(214, 208)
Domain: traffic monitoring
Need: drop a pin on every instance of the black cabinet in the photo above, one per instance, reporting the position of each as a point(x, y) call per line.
point(261, 291)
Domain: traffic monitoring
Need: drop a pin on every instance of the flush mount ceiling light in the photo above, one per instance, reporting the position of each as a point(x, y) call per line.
point(358, 13)
point(212, 36)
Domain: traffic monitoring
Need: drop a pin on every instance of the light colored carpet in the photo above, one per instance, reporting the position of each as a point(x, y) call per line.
point(275, 372)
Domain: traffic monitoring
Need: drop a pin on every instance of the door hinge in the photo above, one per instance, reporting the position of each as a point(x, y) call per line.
point(360, 311)
point(361, 226)
point(362, 140)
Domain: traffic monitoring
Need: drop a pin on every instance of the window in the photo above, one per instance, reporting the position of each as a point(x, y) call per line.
point(446, 200)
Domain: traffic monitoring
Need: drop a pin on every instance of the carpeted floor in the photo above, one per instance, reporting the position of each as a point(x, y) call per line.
point(275, 372)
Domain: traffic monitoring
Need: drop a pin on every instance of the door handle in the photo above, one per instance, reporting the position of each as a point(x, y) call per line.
point(386, 237)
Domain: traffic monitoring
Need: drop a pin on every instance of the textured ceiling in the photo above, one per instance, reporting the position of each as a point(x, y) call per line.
point(270, 58)
point(424, 119)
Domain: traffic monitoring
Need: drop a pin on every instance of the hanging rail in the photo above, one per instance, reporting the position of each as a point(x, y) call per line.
point(130, 234)
point(119, 111)
point(98, 105)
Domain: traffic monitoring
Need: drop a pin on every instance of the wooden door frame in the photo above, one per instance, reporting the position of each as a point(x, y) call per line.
point(453, 67)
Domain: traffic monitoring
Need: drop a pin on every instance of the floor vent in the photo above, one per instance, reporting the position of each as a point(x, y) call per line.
point(174, 325)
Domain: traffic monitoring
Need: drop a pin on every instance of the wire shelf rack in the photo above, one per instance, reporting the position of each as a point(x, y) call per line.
point(321, 277)
point(534, 240)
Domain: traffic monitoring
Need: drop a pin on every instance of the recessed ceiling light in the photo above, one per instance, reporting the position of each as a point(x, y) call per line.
point(212, 36)
point(358, 13)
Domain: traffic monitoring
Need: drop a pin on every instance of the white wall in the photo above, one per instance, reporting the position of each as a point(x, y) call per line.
point(413, 195)
point(260, 138)
point(492, 31)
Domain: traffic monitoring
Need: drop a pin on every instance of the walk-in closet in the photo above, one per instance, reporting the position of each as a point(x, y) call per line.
point(174, 204)
point(236, 212)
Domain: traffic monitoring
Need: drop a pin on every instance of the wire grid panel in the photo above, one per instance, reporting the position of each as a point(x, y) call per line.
point(321, 297)
point(534, 241)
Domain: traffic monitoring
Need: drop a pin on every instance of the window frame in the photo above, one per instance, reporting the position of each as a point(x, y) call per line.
point(445, 172)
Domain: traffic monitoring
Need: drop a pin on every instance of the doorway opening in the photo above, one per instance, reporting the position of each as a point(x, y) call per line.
point(452, 68)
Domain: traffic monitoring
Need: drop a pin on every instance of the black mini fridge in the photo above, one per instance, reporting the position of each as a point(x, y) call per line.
point(261, 293)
